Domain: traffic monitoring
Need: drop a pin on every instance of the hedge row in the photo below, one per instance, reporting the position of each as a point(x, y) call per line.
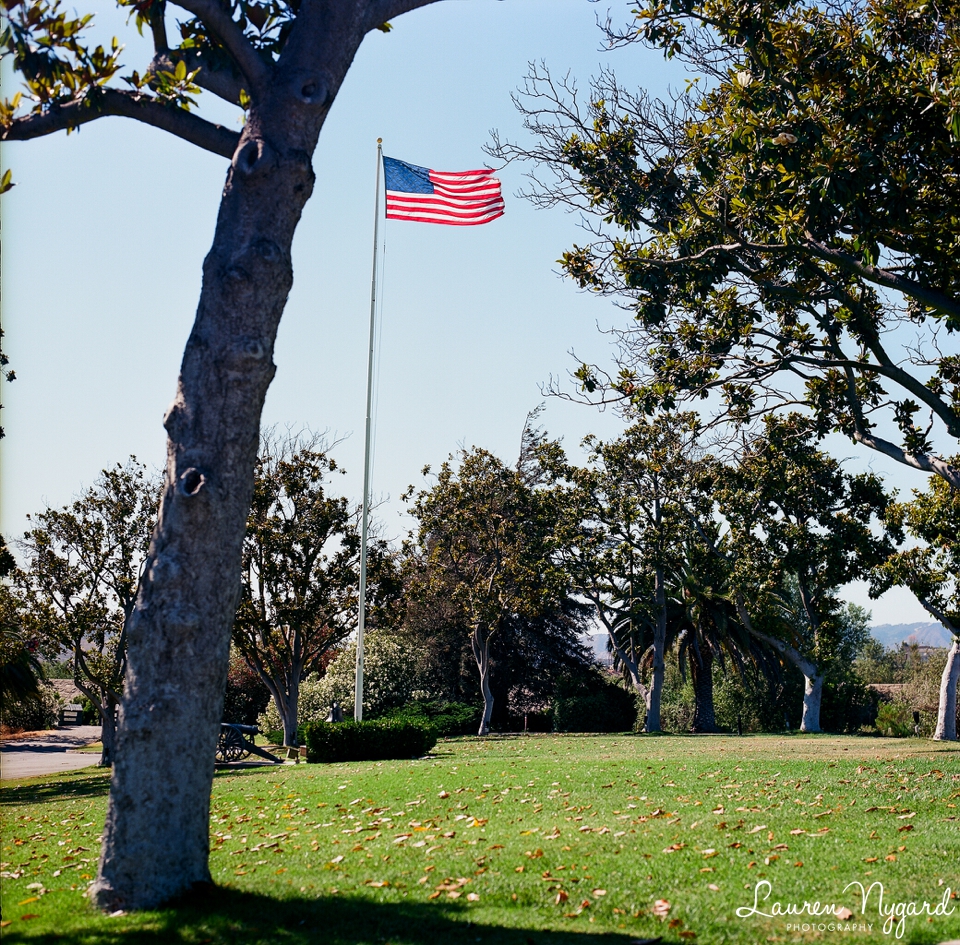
point(367, 741)
point(447, 719)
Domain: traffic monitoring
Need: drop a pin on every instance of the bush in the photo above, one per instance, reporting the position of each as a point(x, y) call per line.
point(447, 719)
point(367, 741)
point(32, 715)
point(390, 680)
point(91, 714)
point(594, 702)
point(895, 720)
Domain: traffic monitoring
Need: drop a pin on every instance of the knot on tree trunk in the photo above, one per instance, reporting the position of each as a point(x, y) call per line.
point(191, 481)
point(311, 88)
point(255, 156)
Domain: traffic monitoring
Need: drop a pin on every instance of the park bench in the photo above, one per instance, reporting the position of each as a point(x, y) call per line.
point(233, 744)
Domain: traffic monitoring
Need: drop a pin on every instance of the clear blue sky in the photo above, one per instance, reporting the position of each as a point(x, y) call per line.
point(106, 230)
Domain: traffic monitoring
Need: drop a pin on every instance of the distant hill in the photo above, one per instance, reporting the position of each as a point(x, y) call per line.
point(889, 634)
point(925, 634)
point(599, 643)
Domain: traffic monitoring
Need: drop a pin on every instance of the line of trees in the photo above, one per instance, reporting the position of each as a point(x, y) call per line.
point(730, 564)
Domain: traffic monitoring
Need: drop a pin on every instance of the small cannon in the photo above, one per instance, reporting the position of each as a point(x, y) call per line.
point(233, 744)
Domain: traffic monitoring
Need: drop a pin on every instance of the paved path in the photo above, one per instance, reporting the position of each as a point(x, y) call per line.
point(48, 752)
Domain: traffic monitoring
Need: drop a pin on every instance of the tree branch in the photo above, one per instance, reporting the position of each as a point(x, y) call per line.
point(922, 461)
point(927, 296)
point(939, 614)
point(216, 17)
point(381, 11)
point(169, 118)
point(158, 27)
point(221, 82)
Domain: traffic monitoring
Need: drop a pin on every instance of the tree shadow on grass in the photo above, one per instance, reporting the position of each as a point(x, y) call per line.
point(218, 916)
point(65, 785)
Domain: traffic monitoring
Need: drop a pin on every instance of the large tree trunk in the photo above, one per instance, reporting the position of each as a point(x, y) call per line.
point(652, 722)
point(701, 673)
point(108, 731)
point(480, 640)
point(812, 698)
point(104, 701)
point(290, 713)
point(946, 729)
point(156, 837)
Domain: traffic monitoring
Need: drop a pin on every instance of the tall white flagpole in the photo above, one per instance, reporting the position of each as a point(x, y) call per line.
point(358, 689)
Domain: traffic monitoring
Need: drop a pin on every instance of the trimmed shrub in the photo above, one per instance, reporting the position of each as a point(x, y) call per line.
point(379, 740)
point(447, 719)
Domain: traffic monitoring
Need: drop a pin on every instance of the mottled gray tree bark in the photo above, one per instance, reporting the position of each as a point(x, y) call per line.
point(480, 642)
point(946, 729)
point(155, 843)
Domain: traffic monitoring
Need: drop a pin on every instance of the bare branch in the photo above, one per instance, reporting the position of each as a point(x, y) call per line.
point(216, 17)
point(169, 118)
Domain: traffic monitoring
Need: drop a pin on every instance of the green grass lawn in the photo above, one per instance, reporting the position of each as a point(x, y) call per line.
point(540, 839)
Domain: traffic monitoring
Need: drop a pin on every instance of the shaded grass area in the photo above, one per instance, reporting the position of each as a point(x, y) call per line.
point(540, 839)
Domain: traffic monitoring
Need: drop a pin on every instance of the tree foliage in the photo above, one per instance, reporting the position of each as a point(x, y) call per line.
point(486, 540)
point(300, 570)
point(627, 515)
point(785, 229)
point(83, 567)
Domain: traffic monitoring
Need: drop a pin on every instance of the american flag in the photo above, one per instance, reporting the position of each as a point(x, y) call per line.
point(463, 198)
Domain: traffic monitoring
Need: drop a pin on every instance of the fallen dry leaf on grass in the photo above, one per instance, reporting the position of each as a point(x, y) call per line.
point(473, 897)
point(562, 896)
point(843, 913)
point(661, 908)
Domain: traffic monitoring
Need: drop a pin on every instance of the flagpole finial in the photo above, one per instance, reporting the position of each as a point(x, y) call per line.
point(379, 140)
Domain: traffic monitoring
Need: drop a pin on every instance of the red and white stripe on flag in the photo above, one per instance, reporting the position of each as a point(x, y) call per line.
point(464, 198)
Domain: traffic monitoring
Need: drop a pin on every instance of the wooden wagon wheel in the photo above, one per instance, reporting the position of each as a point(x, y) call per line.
point(230, 745)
